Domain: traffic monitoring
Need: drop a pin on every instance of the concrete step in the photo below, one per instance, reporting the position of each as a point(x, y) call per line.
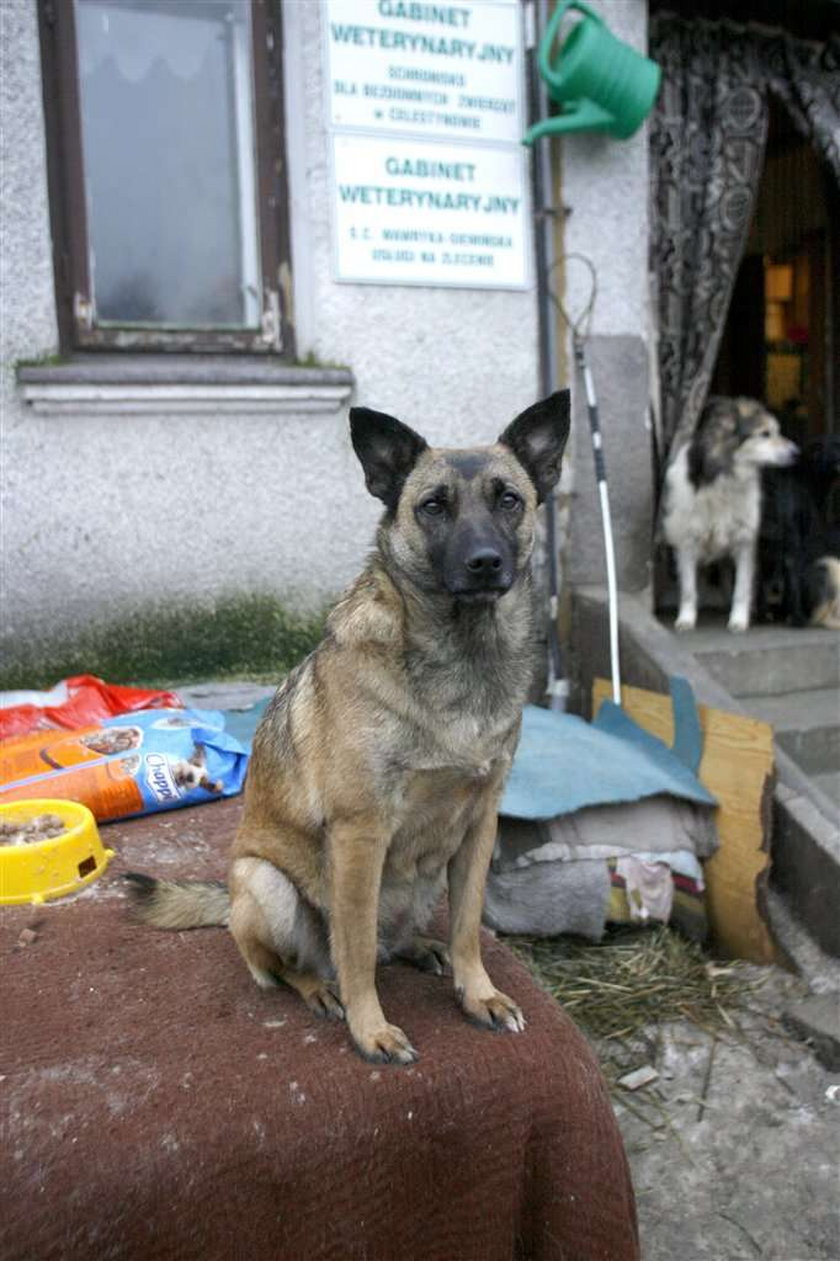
point(806, 855)
point(821, 970)
point(829, 783)
point(768, 660)
point(806, 724)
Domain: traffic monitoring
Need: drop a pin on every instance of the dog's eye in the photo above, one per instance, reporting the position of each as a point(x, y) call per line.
point(432, 507)
point(509, 500)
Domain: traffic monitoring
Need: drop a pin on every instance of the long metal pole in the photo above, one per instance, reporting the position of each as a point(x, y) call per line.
point(606, 517)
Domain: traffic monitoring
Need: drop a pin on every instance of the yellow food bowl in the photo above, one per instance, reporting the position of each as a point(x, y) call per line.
point(52, 868)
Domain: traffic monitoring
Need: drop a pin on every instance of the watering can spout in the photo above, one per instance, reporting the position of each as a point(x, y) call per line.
point(579, 116)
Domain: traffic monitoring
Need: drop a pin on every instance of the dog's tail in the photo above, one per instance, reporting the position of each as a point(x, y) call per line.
point(825, 593)
point(178, 903)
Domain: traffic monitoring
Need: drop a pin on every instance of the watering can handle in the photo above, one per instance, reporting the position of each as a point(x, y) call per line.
point(552, 77)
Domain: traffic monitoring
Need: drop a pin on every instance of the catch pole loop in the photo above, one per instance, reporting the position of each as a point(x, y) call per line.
point(580, 329)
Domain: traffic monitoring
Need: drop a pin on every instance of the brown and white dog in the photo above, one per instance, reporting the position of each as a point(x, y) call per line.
point(713, 499)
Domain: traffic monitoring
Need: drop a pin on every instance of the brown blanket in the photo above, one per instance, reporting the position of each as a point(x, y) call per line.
point(156, 1104)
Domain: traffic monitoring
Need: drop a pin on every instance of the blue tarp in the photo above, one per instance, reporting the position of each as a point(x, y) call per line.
point(564, 764)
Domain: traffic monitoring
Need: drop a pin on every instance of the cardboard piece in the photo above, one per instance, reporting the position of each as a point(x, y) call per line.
point(738, 767)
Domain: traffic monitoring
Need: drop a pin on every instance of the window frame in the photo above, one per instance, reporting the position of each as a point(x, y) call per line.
point(78, 330)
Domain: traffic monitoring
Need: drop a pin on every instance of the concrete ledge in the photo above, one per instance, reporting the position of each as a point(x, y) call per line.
point(806, 833)
point(817, 748)
point(820, 970)
point(773, 662)
point(167, 384)
point(817, 1019)
point(806, 863)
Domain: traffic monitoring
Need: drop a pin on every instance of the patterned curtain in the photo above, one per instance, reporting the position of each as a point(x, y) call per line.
point(707, 150)
point(806, 78)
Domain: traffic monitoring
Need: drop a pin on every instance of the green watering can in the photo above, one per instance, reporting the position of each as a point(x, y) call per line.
point(602, 83)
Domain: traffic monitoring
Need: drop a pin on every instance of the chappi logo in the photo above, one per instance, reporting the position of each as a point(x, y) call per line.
point(159, 778)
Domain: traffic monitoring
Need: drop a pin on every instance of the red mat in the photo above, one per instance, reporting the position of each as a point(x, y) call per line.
point(158, 1105)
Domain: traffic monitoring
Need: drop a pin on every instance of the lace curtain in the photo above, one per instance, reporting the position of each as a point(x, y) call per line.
point(708, 134)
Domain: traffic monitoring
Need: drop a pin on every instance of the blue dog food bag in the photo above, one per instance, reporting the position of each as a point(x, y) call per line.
point(133, 764)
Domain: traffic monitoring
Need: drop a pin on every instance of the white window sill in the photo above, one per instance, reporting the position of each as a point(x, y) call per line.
point(118, 385)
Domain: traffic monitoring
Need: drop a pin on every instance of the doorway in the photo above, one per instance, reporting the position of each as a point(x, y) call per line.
point(781, 341)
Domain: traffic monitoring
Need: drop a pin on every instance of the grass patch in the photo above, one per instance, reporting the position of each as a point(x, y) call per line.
point(311, 360)
point(250, 636)
point(634, 979)
point(49, 359)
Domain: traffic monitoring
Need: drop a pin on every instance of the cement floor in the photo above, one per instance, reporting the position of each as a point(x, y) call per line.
point(735, 1148)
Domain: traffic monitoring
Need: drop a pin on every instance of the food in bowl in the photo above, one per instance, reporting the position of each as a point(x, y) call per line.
point(28, 831)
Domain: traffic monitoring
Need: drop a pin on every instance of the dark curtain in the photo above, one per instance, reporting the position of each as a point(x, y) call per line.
point(708, 133)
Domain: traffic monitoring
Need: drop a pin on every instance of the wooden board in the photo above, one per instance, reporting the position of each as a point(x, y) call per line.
point(738, 767)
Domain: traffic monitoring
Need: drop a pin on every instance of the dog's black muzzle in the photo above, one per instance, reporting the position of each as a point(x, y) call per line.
point(479, 570)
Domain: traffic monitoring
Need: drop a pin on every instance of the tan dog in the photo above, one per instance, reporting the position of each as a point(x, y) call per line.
point(377, 769)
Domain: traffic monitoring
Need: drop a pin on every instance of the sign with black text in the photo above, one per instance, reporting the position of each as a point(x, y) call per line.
point(418, 212)
point(446, 70)
point(429, 174)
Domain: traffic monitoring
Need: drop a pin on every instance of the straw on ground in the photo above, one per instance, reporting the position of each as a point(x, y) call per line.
point(634, 979)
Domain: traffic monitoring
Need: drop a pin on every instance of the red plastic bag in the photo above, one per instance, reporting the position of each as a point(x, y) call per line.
point(80, 702)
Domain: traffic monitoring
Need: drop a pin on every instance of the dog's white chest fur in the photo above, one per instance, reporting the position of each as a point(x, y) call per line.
point(713, 519)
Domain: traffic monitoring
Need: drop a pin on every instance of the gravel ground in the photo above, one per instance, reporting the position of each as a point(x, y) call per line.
point(735, 1147)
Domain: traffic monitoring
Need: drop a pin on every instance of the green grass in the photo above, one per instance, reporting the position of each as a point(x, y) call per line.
point(249, 636)
point(311, 360)
point(49, 359)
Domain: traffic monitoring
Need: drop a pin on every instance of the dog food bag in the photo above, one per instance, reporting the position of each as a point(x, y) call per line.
point(79, 701)
point(133, 764)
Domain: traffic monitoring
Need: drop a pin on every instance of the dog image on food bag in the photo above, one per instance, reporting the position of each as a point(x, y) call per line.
point(378, 766)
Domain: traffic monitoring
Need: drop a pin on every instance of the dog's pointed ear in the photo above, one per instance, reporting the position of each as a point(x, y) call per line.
point(538, 438)
point(387, 450)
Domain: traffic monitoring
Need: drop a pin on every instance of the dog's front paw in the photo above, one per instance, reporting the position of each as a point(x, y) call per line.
point(493, 1011)
point(685, 622)
point(738, 623)
point(387, 1044)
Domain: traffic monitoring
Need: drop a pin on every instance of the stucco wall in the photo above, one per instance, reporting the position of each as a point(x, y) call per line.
point(605, 184)
point(104, 512)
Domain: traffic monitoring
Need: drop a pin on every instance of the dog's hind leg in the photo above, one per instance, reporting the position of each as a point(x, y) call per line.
point(426, 953)
point(277, 936)
point(739, 617)
point(412, 945)
point(687, 570)
point(822, 592)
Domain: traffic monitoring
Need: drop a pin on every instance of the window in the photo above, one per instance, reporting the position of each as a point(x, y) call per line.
point(167, 173)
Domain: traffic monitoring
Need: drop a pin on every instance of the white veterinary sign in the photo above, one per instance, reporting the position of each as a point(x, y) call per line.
point(417, 212)
point(448, 70)
point(429, 174)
